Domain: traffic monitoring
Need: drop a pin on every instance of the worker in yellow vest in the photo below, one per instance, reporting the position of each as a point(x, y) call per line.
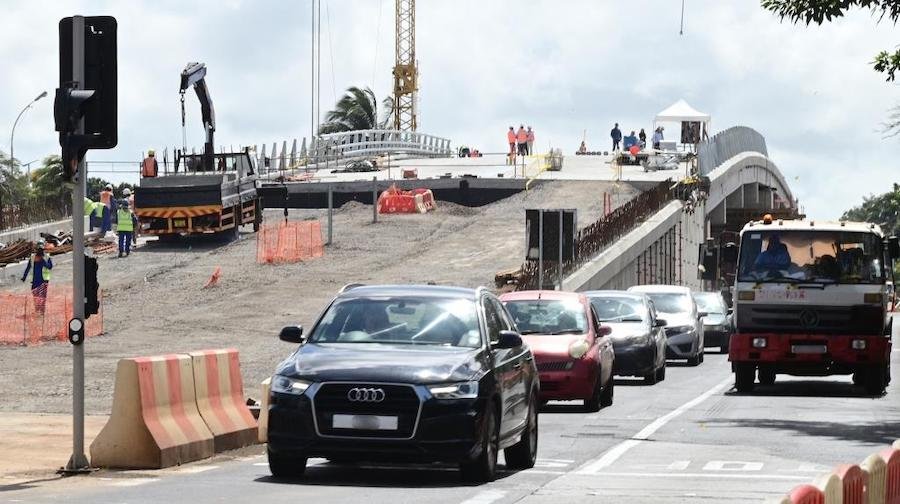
point(125, 228)
point(40, 278)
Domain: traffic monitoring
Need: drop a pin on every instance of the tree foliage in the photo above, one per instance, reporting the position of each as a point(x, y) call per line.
point(883, 210)
point(356, 110)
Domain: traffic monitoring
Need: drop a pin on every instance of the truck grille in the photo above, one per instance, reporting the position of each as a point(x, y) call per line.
point(805, 319)
point(399, 400)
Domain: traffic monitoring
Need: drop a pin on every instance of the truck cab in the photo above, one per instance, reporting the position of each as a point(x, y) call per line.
point(812, 299)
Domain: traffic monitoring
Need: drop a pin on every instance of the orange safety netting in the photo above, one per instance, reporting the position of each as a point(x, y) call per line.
point(288, 242)
point(393, 200)
point(41, 315)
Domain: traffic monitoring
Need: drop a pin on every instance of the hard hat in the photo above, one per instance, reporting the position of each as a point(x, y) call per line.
point(109, 187)
point(126, 192)
point(151, 152)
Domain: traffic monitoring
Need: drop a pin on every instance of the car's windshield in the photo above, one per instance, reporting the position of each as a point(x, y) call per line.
point(811, 256)
point(400, 320)
point(671, 302)
point(534, 316)
point(619, 309)
point(710, 302)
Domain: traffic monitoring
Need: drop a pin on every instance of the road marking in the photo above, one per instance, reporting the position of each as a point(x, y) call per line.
point(133, 482)
point(485, 497)
point(195, 469)
point(613, 454)
point(679, 465)
point(732, 465)
point(708, 475)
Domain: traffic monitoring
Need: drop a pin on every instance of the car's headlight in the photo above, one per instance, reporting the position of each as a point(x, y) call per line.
point(578, 348)
point(286, 385)
point(463, 390)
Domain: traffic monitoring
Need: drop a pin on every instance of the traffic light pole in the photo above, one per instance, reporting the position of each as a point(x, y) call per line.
point(78, 462)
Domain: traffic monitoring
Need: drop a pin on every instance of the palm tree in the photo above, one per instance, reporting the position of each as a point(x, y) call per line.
point(356, 110)
point(48, 185)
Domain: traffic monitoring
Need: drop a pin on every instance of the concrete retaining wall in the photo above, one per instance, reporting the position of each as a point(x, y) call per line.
point(33, 233)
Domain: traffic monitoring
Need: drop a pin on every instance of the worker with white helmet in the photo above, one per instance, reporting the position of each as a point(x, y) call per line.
point(128, 197)
point(149, 166)
point(40, 279)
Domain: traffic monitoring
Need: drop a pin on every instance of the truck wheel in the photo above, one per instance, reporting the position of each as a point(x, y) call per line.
point(874, 381)
point(744, 377)
point(766, 376)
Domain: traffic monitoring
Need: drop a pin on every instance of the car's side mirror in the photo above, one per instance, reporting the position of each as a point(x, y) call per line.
point(661, 323)
point(604, 330)
point(702, 314)
point(508, 339)
point(292, 334)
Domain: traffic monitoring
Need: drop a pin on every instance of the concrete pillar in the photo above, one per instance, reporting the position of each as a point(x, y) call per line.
point(765, 197)
point(751, 195)
point(716, 217)
point(735, 199)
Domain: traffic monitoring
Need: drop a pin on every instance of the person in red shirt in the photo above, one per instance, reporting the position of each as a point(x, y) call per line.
point(522, 140)
point(511, 138)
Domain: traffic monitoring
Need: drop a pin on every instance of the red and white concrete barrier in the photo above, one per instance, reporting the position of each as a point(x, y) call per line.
point(220, 398)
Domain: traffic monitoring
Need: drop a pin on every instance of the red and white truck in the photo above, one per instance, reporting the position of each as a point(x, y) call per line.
point(812, 299)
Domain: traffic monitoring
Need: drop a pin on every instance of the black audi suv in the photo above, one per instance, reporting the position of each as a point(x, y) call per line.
point(406, 373)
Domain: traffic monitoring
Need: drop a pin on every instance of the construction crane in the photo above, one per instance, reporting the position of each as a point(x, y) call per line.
point(406, 73)
point(194, 75)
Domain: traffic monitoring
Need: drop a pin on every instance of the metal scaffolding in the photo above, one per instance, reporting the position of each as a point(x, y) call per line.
point(405, 67)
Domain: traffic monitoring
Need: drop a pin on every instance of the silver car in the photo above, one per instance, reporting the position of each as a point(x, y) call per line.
point(684, 321)
point(717, 323)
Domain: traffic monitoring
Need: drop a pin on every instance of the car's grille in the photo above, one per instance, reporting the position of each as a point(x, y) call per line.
point(399, 400)
point(555, 366)
point(808, 319)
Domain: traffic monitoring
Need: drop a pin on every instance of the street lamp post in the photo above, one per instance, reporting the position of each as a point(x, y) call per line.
point(12, 152)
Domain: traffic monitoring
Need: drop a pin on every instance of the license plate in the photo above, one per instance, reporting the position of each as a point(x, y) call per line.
point(809, 349)
point(364, 422)
point(179, 223)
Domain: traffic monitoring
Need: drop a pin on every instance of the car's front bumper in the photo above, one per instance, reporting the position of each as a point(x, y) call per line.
point(446, 430)
point(634, 359)
point(716, 336)
point(577, 383)
point(682, 345)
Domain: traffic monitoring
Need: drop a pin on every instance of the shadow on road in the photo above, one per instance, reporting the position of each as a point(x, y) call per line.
point(380, 475)
point(808, 388)
point(876, 433)
point(22, 485)
point(198, 243)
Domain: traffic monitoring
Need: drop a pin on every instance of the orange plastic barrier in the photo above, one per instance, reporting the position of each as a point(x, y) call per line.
point(155, 422)
point(806, 494)
point(220, 398)
point(393, 200)
point(853, 482)
point(891, 457)
point(288, 242)
point(32, 318)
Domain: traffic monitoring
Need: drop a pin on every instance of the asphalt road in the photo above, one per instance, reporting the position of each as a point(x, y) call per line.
point(687, 439)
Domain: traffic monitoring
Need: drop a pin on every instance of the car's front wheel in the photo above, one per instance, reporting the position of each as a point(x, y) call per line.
point(606, 398)
point(484, 468)
point(661, 373)
point(523, 454)
point(286, 466)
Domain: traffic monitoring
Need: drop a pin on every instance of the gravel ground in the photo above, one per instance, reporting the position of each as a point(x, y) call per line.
point(154, 302)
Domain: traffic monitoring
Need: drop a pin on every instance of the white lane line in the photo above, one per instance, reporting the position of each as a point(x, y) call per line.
point(707, 475)
point(133, 482)
point(613, 454)
point(485, 497)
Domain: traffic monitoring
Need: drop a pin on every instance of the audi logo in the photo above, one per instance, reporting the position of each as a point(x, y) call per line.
point(371, 395)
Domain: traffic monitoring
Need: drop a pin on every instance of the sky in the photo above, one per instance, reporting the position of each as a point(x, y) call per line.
point(568, 68)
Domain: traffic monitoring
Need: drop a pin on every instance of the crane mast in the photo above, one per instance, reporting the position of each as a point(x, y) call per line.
point(405, 68)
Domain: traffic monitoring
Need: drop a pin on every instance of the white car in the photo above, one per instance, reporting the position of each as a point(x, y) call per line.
point(684, 321)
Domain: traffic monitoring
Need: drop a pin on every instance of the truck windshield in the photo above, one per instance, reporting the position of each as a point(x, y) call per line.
point(810, 256)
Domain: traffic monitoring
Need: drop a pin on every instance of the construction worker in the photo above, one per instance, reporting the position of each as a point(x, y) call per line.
point(149, 166)
point(40, 278)
point(511, 138)
point(129, 197)
point(106, 198)
point(529, 137)
point(125, 228)
point(522, 140)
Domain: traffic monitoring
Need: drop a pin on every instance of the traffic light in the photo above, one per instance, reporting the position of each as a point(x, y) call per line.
point(93, 98)
point(91, 287)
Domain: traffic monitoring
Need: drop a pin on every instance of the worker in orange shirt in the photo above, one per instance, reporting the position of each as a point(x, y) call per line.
point(106, 198)
point(511, 138)
point(149, 166)
point(522, 140)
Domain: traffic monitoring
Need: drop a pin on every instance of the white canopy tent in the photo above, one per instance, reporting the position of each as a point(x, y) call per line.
point(680, 112)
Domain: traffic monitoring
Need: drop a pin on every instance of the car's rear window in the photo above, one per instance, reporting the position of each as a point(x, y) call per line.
point(670, 302)
point(619, 309)
point(710, 302)
point(400, 320)
point(548, 316)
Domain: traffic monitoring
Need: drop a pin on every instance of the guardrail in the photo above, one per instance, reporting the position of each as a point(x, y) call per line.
point(591, 240)
point(728, 143)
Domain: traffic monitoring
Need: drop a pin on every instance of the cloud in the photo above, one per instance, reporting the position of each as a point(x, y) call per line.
point(565, 67)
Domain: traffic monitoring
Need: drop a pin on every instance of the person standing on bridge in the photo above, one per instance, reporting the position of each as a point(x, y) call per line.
point(642, 136)
point(40, 278)
point(657, 137)
point(149, 166)
point(511, 138)
point(616, 135)
point(529, 137)
point(522, 140)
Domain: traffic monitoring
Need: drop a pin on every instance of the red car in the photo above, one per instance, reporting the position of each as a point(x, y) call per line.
point(573, 352)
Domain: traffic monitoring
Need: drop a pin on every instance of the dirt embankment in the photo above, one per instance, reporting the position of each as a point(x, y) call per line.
point(154, 302)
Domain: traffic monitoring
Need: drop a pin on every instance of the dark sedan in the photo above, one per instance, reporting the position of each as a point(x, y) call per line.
point(717, 322)
point(638, 336)
point(406, 373)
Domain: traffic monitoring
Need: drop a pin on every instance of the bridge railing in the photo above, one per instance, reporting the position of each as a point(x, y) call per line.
point(729, 143)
